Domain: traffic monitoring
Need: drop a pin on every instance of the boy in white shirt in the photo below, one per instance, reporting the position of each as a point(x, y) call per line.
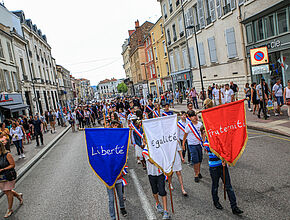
point(194, 139)
point(229, 94)
point(157, 182)
point(181, 131)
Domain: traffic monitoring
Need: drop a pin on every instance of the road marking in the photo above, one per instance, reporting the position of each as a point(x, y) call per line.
point(285, 139)
point(142, 196)
point(257, 136)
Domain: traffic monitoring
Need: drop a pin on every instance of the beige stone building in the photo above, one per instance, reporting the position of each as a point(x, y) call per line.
point(173, 17)
point(127, 66)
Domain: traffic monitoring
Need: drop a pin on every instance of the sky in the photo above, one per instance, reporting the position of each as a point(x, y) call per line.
point(87, 36)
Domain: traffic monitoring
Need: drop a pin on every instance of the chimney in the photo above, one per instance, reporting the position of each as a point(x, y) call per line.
point(137, 24)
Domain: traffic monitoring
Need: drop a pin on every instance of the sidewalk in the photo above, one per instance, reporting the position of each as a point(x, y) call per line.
point(30, 150)
point(274, 124)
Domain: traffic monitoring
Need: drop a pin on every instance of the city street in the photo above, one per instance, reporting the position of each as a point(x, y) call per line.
point(63, 186)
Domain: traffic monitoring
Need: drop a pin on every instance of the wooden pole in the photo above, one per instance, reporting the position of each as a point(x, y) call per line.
point(171, 200)
point(159, 110)
point(116, 203)
point(105, 123)
point(224, 180)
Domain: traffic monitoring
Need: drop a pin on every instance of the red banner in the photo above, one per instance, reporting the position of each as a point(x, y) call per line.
point(226, 130)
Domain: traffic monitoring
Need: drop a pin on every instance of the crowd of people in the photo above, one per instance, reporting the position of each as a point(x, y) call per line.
point(129, 112)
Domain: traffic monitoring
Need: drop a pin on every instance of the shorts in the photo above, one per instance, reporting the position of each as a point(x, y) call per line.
point(170, 101)
point(158, 184)
point(280, 100)
point(195, 153)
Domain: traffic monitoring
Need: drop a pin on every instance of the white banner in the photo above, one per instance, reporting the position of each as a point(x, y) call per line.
point(162, 141)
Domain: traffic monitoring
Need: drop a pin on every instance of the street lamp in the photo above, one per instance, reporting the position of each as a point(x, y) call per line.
point(198, 58)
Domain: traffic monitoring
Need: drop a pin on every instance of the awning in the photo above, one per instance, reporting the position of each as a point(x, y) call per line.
point(15, 108)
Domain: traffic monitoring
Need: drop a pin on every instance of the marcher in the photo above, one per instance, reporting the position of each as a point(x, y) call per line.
point(263, 98)
point(287, 97)
point(138, 143)
point(247, 91)
point(51, 119)
point(5, 132)
point(157, 183)
point(119, 191)
point(193, 136)
point(278, 94)
point(229, 94)
point(38, 129)
point(235, 89)
point(255, 99)
point(181, 131)
point(216, 173)
point(8, 178)
point(71, 120)
point(17, 135)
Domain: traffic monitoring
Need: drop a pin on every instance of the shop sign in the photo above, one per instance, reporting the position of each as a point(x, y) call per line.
point(261, 69)
point(259, 56)
point(5, 98)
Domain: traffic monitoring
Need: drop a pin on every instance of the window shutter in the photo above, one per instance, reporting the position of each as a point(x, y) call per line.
point(200, 13)
point(219, 8)
point(2, 84)
point(18, 81)
point(190, 19)
point(233, 4)
point(212, 10)
point(241, 2)
point(172, 62)
point(212, 49)
point(231, 43)
point(192, 57)
point(201, 54)
point(186, 24)
point(185, 59)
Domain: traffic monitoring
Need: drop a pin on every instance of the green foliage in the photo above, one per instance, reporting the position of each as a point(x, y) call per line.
point(122, 88)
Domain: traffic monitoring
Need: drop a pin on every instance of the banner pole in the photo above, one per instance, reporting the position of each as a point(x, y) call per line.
point(158, 109)
point(171, 200)
point(116, 203)
point(104, 116)
point(224, 180)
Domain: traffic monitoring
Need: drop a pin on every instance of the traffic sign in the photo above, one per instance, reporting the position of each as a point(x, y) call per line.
point(259, 56)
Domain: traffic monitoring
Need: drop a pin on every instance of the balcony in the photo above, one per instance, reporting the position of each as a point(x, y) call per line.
point(208, 20)
point(181, 34)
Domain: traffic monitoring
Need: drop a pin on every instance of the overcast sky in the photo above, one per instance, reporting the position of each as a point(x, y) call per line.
point(86, 36)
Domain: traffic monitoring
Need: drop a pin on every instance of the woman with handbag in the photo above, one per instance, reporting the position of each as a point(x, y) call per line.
point(287, 97)
point(8, 178)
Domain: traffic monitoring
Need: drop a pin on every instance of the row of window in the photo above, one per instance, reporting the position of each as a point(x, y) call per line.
point(177, 64)
point(9, 81)
point(269, 26)
point(199, 16)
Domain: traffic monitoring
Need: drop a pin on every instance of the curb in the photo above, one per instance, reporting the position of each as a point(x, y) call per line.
point(249, 126)
point(38, 156)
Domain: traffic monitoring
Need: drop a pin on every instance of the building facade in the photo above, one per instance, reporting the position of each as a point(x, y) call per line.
point(108, 88)
point(127, 66)
point(267, 23)
point(173, 16)
point(160, 54)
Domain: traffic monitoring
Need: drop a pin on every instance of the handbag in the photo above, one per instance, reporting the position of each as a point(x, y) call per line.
point(288, 101)
point(6, 175)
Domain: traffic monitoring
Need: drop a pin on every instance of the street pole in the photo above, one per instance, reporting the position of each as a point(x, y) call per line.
point(198, 58)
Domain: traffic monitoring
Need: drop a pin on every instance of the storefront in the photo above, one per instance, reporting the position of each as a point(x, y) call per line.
point(11, 106)
point(271, 28)
point(181, 81)
point(167, 84)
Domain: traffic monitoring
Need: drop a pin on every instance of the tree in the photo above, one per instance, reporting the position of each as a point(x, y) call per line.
point(122, 88)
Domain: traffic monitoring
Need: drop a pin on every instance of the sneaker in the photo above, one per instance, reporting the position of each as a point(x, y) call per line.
point(139, 161)
point(237, 211)
point(165, 215)
point(250, 110)
point(196, 179)
point(159, 208)
point(199, 176)
point(19, 156)
point(276, 114)
point(268, 115)
point(123, 212)
point(23, 155)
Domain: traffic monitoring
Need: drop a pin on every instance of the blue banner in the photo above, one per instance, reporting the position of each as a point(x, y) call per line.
point(107, 150)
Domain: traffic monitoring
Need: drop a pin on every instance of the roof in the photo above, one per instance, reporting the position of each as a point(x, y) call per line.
point(107, 81)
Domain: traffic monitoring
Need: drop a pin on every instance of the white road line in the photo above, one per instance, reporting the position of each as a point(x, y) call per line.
point(142, 196)
point(257, 136)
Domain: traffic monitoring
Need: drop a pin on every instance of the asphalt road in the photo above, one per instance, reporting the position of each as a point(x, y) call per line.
point(62, 185)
